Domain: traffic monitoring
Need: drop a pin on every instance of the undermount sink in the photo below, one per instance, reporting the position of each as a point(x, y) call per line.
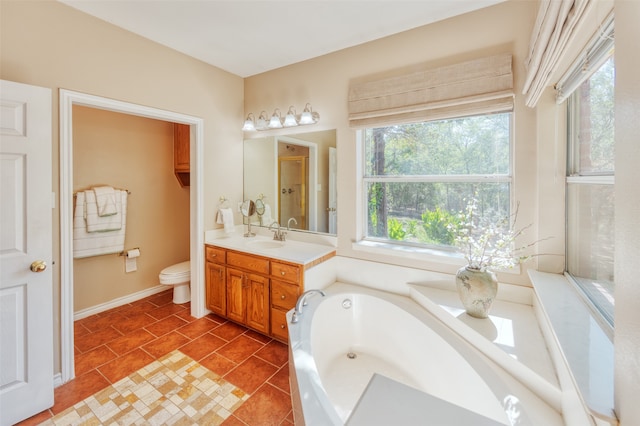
point(266, 244)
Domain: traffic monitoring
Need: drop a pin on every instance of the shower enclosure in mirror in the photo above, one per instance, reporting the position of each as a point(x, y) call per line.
point(295, 177)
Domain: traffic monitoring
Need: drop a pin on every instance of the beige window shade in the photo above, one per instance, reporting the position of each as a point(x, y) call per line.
point(475, 87)
point(555, 27)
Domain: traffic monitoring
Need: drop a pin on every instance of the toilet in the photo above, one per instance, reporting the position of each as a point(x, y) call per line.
point(179, 276)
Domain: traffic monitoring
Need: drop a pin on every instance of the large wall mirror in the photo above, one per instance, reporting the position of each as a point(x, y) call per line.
point(295, 178)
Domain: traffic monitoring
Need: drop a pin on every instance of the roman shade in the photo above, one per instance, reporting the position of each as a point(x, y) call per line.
point(474, 87)
point(555, 27)
point(598, 50)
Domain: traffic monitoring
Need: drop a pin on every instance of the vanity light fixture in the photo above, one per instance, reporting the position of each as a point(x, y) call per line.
point(276, 120)
point(291, 119)
point(249, 124)
point(308, 116)
point(262, 123)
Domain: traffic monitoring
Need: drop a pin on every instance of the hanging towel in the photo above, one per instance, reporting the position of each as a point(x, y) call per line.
point(225, 217)
point(86, 244)
point(266, 216)
point(106, 200)
point(95, 223)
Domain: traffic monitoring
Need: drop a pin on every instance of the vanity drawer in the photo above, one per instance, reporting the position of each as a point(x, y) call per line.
point(215, 254)
point(279, 324)
point(284, 295)
point(285, 272)
point(249, 262)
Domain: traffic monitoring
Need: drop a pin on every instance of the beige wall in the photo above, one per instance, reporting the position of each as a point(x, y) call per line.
point(134, 153)
point(324, 82)
point(46, 43)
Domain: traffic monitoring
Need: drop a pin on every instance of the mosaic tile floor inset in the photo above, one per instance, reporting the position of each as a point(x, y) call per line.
point(173, 390)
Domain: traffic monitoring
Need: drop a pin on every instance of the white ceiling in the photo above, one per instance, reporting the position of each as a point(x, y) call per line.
point(248, 37)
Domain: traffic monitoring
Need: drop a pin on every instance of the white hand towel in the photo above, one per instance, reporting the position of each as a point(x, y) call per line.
point(95, 223)
point(86, 244)
point(106, 200)
point(266, 216)
point(225, 217)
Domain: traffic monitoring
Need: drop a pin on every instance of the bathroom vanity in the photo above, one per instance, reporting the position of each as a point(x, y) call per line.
point(255, 281)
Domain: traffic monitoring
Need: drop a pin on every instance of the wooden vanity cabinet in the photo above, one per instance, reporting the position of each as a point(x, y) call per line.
point(215, 279)
point(182, 153)
point(252, 290)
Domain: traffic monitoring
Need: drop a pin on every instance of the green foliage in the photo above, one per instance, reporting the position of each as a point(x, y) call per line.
point(396, 231)
point(440, 226)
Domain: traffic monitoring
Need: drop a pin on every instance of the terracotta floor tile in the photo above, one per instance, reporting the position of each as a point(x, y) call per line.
point(185, 315)
point(99, 322)
point(166, 310)
point(137, 308)
point(233, 421)
point(249, 375)
point(93, 340)
point(275, 352)
point(161, 299)
point(130, 341)
point(268, 406)
point(281, 379)
point(228, 331)
point(198, 327)
point(77, 389)
point(79, 330)
point(165, 344)
point(123, 366)
point(134, 322)
point(240, 348)
point(218, 364)
point(166, 325)
point(93, 359)
point(202, 346)
point(257, 336)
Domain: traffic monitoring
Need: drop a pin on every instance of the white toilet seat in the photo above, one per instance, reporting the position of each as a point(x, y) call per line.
point(179, 276)
point(176, 274)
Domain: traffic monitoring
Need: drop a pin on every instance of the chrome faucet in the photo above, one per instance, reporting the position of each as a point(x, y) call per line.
point(278, 233)
point(302, 301)
point(295, 222)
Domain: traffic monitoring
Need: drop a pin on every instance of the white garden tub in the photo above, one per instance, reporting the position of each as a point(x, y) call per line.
point(342, 339)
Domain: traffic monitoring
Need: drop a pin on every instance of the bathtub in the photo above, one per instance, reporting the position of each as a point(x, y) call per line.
point(342, 339)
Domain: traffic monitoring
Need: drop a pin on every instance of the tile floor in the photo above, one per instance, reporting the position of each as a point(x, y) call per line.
point(113, 344)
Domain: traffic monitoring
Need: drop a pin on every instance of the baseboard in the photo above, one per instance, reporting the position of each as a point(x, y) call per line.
point(57, 380)
point(83, 313)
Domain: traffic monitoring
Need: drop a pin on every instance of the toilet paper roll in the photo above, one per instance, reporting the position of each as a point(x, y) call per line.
point(131, 261)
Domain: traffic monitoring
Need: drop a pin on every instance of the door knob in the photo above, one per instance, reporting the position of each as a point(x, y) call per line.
point(38, 266)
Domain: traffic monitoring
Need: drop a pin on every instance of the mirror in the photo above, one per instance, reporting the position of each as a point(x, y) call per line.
point(294, 176)
point(248, 209)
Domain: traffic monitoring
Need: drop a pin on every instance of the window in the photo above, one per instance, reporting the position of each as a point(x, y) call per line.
point(419, 176)
point(590, 188)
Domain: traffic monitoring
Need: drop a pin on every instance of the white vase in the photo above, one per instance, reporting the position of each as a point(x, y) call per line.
point(477, 290)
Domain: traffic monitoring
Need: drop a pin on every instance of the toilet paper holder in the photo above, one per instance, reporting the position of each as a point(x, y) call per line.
point(124, 253)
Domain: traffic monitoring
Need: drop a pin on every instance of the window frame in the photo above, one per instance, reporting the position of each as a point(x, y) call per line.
point(575, 177)
point(443, 250)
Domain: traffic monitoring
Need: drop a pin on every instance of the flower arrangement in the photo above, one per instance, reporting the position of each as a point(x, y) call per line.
point(489, 244)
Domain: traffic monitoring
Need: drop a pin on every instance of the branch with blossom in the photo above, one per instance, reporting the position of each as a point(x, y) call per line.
point(488, 245)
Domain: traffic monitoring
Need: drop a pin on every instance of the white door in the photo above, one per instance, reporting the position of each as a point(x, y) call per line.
point(333, 191)
point(26, 294)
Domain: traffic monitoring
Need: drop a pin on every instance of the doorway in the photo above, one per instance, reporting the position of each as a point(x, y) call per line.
point(293, 194)
point(67, 100)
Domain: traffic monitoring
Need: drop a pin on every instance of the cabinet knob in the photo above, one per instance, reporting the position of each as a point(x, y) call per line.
point(283, 297)
point(282, 272)
point(282, 326)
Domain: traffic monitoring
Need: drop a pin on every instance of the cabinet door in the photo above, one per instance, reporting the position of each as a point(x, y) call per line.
point(258, 303)
point(216, 289)
point(181, 136)
point(236, 295)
